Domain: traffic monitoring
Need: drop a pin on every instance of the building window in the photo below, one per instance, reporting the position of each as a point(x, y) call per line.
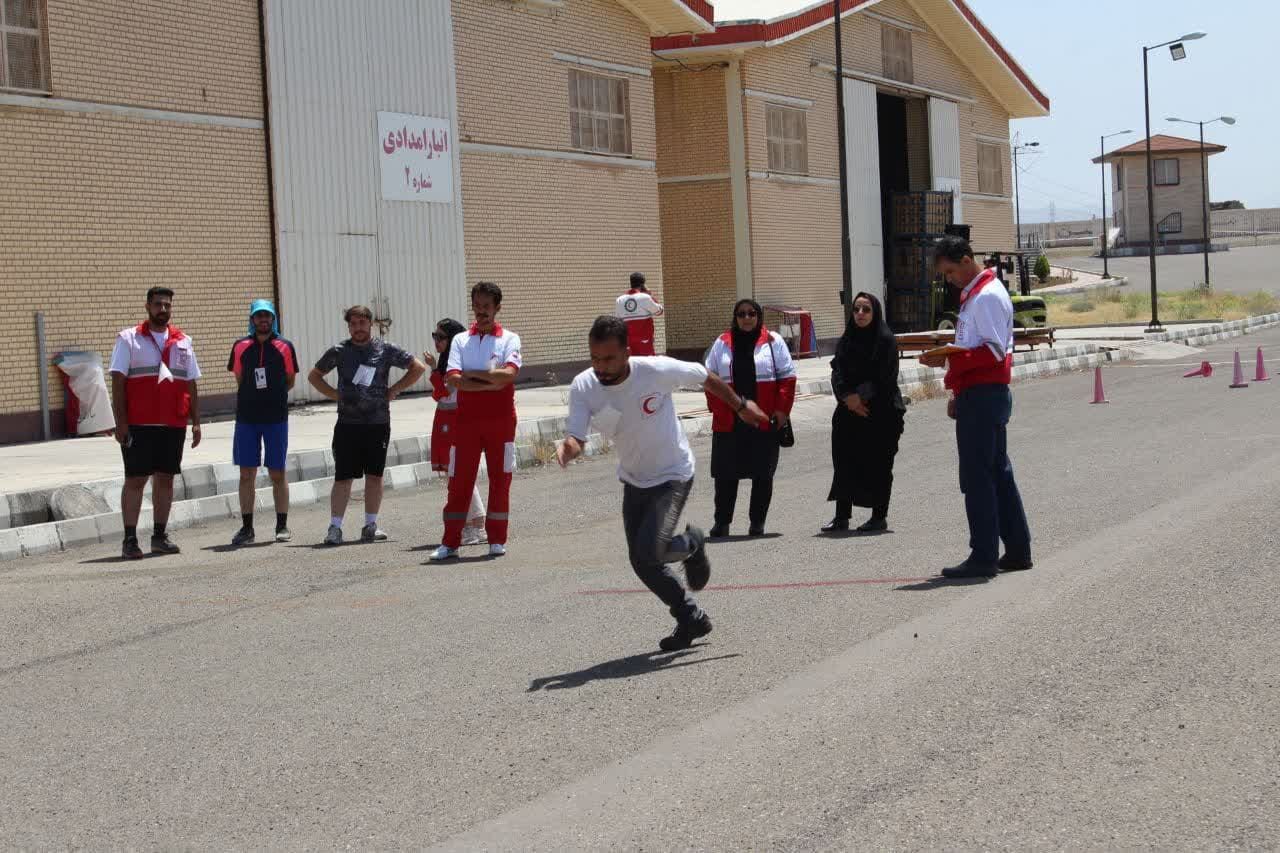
point(1117, 174)
point(895, 52)
point(599, 113)
point(788, 138)
point(23, 65)
point(1167, 174)
point(1171, 224)
point(990, 168)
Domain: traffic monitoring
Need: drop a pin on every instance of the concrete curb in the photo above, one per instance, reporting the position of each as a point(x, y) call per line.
point(35, 539)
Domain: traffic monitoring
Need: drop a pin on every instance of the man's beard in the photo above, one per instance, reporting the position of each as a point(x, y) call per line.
point(156, 319)
point(608, 378)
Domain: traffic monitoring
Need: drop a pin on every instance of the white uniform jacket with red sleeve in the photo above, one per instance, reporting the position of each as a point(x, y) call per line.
point(775, 377)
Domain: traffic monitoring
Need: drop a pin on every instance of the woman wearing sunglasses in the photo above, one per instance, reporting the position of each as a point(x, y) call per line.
point(868, 420)
point(756, 363)
point(446, 419)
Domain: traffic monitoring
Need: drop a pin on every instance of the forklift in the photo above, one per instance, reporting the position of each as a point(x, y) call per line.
point(1014, 270)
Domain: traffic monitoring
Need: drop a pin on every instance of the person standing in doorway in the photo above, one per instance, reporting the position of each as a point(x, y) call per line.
point(154, 395)
point(265, 366)
point(444, 426)
point(756, 364)
point(978, 375)
point(363, 431)
point(637, 308)
point(484, 362)
point(629, 399)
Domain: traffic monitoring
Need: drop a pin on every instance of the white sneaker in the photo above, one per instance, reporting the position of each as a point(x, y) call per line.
point(474, 536)
point(444, 552)
point(334, 536)
point(497, 550)
point(283, 535)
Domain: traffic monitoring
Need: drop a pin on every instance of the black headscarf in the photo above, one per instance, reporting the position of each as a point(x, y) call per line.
point(450, 327)
point(866, 357)
point(744, 350)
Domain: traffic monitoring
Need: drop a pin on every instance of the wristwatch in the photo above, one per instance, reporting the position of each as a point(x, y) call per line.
point(742, 406)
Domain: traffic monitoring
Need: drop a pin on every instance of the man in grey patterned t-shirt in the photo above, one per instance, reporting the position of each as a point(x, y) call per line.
point(363, 430)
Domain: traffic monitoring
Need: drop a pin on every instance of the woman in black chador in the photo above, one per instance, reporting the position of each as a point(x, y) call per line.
point(868, 419)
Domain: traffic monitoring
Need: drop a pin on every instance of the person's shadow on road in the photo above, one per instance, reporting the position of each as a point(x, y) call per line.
point(940, 582)
point(641, 664)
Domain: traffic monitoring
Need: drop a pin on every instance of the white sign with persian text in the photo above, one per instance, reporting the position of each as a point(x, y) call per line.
point(416, 158)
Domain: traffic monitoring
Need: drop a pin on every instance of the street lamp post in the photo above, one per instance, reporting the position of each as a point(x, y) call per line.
point(846, 269)
point(1102, 148)
point(1017, 201)
point(1204, 186)
point(1177, 51)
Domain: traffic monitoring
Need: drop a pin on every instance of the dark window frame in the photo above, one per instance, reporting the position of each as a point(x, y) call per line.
point(40, 34)
point(599, 106)
point(1177, 171)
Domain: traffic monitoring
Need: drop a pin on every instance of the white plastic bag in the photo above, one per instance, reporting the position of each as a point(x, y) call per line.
point(90, 387)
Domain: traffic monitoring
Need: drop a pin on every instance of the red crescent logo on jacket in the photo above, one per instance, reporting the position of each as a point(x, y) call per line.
point(649, 405)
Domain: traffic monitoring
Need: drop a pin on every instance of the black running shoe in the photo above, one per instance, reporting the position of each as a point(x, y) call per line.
point(697, 568)
point(130, 550)
point(970, 569)
point(835, 525)
point(685, 633)
point(162, 544)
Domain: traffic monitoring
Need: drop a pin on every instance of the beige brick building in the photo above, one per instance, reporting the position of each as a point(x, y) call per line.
point(556, 212)
point(748, 160)
point(133, 155)
point(1179, 189)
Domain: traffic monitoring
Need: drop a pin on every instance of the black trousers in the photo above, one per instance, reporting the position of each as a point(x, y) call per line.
point(727, 500)
point(649, 517)
point(844, 509)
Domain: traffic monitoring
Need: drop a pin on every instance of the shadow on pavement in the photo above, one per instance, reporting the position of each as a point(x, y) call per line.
point(852, 534)
point(224, 549)
point(641, 664)
point(743, 537)
point(939, 582)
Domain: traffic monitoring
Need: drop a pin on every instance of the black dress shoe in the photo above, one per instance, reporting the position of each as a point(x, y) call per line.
point(874, 525)
point(719, 531)
point(970, 569)
point(1009, 564)
point(835, 525)
point(756, 530)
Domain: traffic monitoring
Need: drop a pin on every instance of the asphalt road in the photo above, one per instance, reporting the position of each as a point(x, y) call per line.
point(1123, 694)
point(1244, 269)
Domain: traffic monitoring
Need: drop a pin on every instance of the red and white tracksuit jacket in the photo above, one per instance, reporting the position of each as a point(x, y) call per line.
point(485, 424)
point(150, 401)
point(775, 378)
point(985, 329)
point(638, 309)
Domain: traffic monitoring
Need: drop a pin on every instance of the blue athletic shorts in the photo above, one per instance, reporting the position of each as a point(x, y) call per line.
point(249, 438)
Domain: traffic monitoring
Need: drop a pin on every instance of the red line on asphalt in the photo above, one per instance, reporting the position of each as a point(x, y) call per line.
point(754, 586)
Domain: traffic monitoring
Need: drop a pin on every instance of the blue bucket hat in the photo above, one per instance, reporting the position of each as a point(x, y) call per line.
point(264, 305)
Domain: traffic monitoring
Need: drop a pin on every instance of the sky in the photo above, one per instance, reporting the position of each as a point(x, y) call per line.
point(1086, 55)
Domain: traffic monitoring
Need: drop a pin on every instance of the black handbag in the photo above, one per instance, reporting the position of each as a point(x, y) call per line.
point(785, 435)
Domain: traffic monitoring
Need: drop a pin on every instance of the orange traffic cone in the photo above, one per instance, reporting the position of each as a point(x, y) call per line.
point(1205, 369)
point(1260, 375)
point(1099, 396)
point(1238, 379)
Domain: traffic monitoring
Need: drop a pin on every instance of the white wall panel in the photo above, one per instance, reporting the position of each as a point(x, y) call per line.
point(862, 151)
point(332, 66)
point(944, 149)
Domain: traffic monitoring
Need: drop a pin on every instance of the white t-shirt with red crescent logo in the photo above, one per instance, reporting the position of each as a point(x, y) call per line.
point(639, 417)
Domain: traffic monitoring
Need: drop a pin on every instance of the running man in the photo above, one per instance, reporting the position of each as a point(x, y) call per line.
point(483, 364)
point(363, 430)
point(265, 366)
point(153, 393)
point(630, 401)
point(638, 309)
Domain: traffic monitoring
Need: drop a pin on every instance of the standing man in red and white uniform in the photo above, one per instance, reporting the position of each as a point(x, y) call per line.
point(483, 364)
point(638, 309)
point(978, 375)
point(153, 393)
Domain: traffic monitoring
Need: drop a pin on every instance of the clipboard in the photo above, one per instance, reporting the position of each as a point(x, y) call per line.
point(944, 351)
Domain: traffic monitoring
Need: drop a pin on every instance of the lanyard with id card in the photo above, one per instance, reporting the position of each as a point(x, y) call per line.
point(260, 372)
point(364, 375)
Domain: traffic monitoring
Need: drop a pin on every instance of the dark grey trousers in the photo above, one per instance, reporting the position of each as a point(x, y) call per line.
point(649, 517)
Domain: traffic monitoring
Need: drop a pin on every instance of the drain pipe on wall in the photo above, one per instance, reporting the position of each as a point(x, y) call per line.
point(43, 363)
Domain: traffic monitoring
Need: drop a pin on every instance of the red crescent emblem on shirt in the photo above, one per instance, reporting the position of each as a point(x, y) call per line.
point(649, 404)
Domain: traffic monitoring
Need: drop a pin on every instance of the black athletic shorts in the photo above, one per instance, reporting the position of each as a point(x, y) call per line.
point(153, 450)
point(360, 449)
